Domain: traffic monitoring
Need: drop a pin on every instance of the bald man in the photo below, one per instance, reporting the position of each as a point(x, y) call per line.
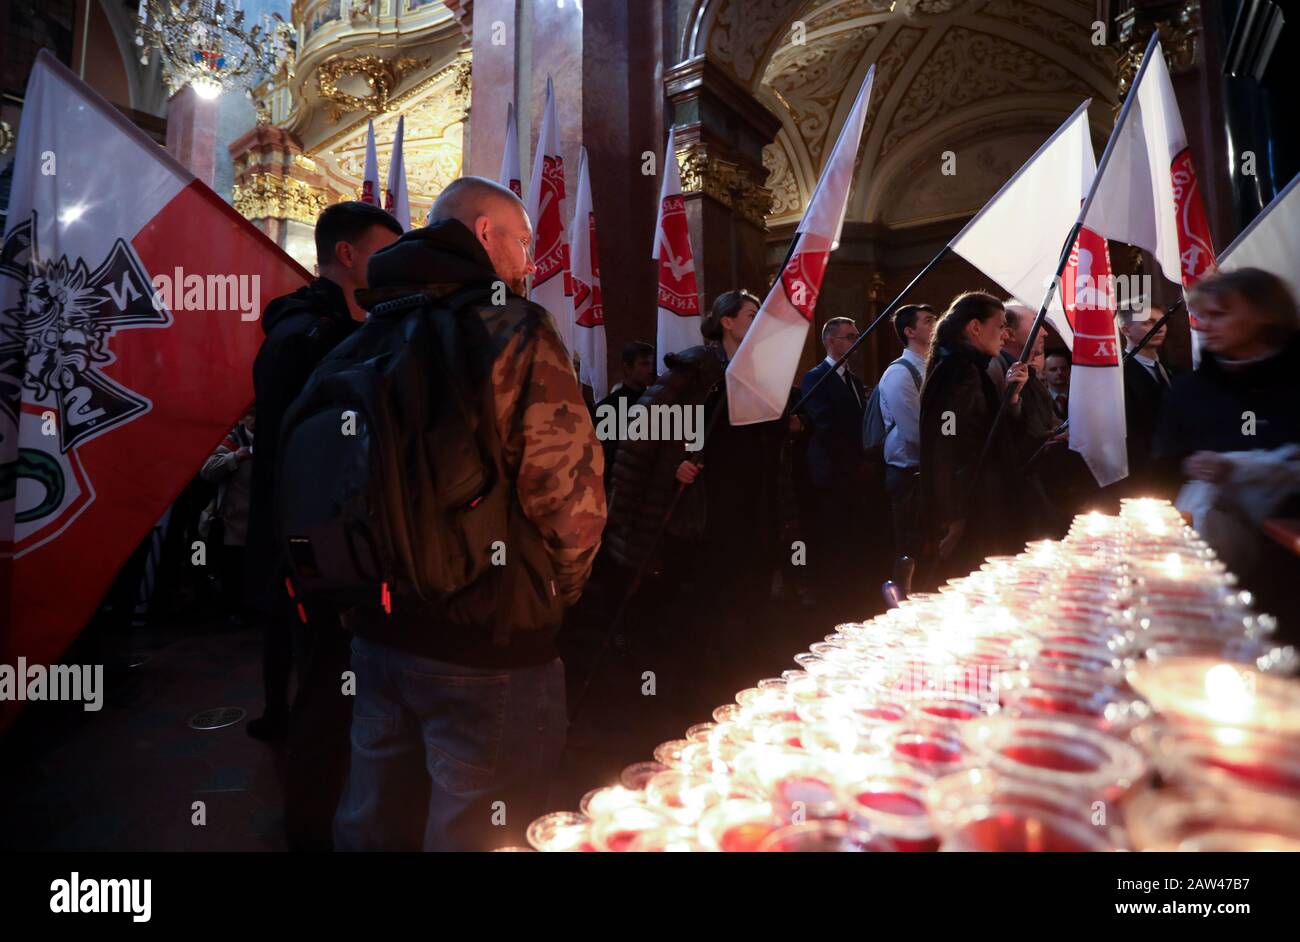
point(458, 717)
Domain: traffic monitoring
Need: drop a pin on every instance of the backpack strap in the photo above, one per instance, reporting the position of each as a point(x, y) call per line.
point(916, 374)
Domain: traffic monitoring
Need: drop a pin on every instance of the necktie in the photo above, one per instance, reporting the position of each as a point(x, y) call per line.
point(1062, 403)
point(848, 381)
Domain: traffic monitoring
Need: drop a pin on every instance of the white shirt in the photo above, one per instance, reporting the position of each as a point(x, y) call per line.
point(900, 406)
point(1152, 365)
point(830, 361)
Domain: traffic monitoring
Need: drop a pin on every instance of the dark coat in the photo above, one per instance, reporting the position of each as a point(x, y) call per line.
point(1206, 409)
point(643, 483)
point(958, 382)
point(1143, 400)
point(610, 445)
point(301, 328)
point(835, 458)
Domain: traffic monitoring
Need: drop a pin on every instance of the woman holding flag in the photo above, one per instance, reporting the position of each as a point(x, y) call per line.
point(966, 520)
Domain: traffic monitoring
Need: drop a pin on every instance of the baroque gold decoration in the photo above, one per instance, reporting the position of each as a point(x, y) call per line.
point(725, 181)
point(6, 137)
point(1177, 39)
point(786, 198)
point(270, 195)
point(382, 76)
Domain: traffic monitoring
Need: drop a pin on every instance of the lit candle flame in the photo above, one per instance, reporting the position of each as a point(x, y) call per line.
point(1229, 695)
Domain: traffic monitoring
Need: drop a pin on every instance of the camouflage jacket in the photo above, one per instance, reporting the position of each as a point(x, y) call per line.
point(548, 450)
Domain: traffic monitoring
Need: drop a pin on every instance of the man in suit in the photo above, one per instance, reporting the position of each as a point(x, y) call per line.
point(1146, 384)
point(1057, 374)
point(836, 466)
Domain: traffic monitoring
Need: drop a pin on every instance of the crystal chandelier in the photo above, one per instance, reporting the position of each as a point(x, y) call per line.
point(204, 43)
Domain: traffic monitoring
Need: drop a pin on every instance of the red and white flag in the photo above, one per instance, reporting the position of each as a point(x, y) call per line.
point(1148, 193)
point(761, 375)
point(678, 325)
point(370, 176)
point(1098, 428)
point(130, 295)
point(510, 175)
point(1016, 237)
point(588, 312)
point(396, 200)
point(1272, 240)
point(552, 282)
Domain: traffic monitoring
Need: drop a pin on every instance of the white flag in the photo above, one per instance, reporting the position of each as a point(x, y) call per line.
point(510, 175)
point(678, 326)
point(370, 177)
point(588, 312)
point(1148, 194)
point(1272, 240)
point(552, 285)
point(761, 375)
point(396, 200)
point(1016, 239)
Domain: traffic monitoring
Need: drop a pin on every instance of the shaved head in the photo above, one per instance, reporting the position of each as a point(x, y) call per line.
point(467, 198)
point(498, 220)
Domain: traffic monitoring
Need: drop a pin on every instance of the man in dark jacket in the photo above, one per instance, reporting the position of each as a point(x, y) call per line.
point(1147, 382)
point(458, 726)
point(638, 373)
point(301, 328)
point(837, 468)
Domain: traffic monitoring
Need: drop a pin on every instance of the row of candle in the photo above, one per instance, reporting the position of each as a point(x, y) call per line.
point(1039, 703)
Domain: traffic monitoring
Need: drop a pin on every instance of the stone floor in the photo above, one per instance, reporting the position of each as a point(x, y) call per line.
point(126, 777)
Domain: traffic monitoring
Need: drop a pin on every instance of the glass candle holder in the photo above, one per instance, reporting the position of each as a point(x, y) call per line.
point(980, 809)
point(616, 831)
point(824, 837)
point(890, 798)
point(636, 775)
point(934, 750)
point(560, 831)
point(1169, 820)
point(1218, 693)
point(603, 801)
point(1063, 695)
point(1227, 761)
point(1065, 755)
point(737, 825)
point(684, 796)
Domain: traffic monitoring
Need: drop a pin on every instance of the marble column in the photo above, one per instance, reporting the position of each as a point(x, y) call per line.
point(623, 119)
point(493, 77)
point(192, 133)
point(721, 132)
point(553, 35)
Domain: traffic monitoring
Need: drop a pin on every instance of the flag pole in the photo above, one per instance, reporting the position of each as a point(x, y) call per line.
point(1128, 355)
point(616, 623)
point(889, 309)
point(1060, 267)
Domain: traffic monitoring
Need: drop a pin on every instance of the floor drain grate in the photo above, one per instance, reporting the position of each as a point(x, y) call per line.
point(218, 718)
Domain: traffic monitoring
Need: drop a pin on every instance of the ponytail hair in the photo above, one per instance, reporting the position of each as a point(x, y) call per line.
point(950, 329)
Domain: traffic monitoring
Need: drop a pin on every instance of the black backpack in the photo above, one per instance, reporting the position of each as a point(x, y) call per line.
point(874, 429)
point(390, 484)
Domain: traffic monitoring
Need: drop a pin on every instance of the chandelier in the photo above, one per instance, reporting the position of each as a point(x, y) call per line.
point(204, 44)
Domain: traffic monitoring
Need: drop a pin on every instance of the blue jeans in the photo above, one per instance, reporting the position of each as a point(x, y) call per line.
point(446, 757)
